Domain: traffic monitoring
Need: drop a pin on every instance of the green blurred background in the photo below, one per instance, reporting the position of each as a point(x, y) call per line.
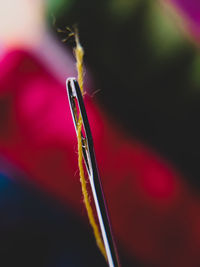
point(147, 70)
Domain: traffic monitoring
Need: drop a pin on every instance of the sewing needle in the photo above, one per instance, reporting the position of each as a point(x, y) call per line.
point(78, 108)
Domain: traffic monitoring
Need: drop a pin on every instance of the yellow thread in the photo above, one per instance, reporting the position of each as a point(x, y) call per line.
point(79, 53)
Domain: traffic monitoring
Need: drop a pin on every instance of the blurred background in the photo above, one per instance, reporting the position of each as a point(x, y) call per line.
point(142, 64)
point(146, 69)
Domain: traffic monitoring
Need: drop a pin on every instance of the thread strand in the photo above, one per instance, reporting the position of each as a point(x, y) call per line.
point(79, 53)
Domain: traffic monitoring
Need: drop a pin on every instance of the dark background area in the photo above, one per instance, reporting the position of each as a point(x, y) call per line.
point(145, 69)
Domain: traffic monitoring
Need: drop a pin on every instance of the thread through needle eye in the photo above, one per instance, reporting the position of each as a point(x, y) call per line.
point(78, 109)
